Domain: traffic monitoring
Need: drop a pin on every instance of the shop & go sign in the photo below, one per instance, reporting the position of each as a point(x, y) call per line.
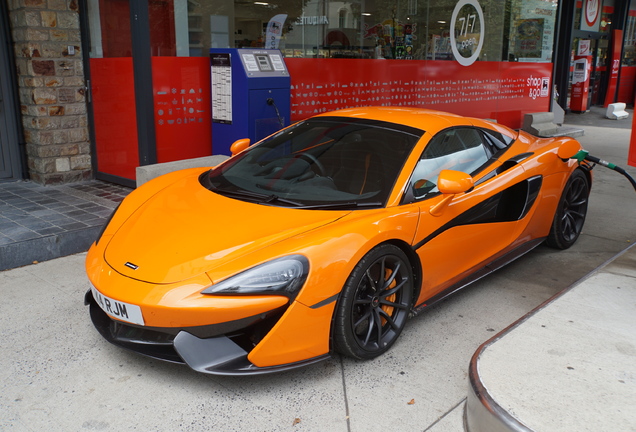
point(538, 87)
point(467, 31)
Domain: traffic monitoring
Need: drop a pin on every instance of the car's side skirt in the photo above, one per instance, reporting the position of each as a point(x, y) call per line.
point(480, 273)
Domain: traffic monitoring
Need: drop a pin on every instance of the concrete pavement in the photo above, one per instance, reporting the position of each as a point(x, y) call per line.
point(57, 373)
point(567, 366)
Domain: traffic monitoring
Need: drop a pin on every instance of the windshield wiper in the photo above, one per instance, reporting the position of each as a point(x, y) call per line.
point(347, 204)
point(275, 198)
point(259, 198)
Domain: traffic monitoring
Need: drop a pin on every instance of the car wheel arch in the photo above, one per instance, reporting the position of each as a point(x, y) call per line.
point(416, 267)
point(588, 176)
point(414, 260)
point(569, 216)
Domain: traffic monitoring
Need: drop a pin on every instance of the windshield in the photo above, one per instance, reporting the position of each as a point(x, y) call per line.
point(323, 162)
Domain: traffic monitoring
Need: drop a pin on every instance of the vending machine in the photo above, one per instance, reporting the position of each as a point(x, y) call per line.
point(580, 84)
point(250, 95)
point(581, 77)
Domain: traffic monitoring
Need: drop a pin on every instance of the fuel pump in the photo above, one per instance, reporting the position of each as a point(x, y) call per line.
point(250, 95)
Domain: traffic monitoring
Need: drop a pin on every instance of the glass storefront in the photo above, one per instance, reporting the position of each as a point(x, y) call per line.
point(416, 33)
point(628, 60)
point(172, 123)
point(629, 42)
point(482, 58)
point(149, 76)
point(514, 30)
point(607, 51)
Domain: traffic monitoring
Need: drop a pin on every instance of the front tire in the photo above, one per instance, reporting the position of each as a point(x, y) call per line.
point(570, 215)
point(374, 304)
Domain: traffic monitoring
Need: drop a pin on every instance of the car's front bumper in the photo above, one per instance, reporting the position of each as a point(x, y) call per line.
point(220, 349)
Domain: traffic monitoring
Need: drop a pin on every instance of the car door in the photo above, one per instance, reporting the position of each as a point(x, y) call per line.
point(457, 235)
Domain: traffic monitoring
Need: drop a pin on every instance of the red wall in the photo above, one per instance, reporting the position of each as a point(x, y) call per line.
point(626, 84)
point(181, 93)
point(503, 91)
point(115, 117)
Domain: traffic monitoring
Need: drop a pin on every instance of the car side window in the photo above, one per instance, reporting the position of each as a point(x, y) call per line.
point(460, 149)
point(498, 141)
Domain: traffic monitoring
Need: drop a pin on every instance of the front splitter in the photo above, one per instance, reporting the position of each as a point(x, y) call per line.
point(217, 355)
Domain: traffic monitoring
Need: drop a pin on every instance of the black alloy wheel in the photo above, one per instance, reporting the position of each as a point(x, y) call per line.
point(570, 215)
point(374, 304)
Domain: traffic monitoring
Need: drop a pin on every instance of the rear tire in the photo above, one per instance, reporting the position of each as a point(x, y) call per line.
point(374, 304)
point(571, 211)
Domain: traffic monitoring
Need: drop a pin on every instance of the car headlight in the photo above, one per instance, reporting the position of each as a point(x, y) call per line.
point(282, 276)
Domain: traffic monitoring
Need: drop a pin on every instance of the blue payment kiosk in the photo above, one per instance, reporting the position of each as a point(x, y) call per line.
point(250, 95)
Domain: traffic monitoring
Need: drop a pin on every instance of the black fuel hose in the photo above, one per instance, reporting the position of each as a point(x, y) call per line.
point(612, 167)
point(270, 101)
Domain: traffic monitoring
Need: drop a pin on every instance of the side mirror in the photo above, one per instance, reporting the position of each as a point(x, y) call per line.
point(451, 183)
point(239, 145)
point(454, 182)
point(568, 149)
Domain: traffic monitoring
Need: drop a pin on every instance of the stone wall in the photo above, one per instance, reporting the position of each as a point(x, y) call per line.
point(52, 89)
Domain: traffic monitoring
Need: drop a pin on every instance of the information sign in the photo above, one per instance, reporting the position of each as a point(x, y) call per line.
point(221, 88)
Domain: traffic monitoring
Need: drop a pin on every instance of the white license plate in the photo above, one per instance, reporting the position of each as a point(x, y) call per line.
point(120, 310)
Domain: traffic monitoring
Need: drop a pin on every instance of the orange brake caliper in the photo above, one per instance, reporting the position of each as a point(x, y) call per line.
point(386, 308)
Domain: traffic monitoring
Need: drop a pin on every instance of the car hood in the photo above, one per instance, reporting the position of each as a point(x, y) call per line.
point(186, 230)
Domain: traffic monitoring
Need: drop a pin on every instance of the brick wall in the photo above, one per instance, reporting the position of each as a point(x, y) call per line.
point(52, 92)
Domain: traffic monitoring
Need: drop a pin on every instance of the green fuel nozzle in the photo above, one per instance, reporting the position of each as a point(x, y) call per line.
point(585, 155)
point(580, 155)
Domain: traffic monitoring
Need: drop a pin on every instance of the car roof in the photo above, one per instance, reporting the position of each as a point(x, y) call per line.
point(428, 120)
point(420, 118)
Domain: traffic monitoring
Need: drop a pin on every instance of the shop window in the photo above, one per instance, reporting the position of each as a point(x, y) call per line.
point(629, 44)
point(473, 30)
point(110, 29)
point(219, 31)
point(162, 29)
point(531, 26)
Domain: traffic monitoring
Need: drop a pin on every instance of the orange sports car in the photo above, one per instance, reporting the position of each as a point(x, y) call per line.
point(326, 237)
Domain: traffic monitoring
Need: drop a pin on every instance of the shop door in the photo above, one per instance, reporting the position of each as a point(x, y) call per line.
point(150, 101)
point(9, 148)
point(5, 166)
point(112, 91)
point(598, 77)
point(595, 51)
